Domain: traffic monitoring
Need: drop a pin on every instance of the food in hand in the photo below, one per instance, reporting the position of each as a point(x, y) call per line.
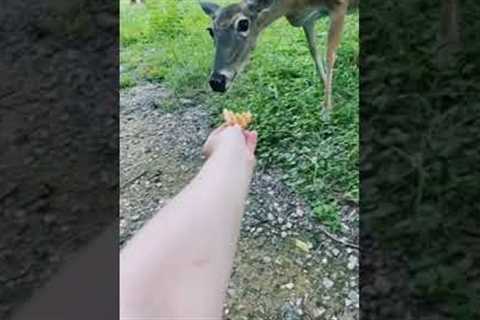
point(242, 119)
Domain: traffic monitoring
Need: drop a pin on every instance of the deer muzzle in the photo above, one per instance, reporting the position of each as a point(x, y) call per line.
point(218, 82)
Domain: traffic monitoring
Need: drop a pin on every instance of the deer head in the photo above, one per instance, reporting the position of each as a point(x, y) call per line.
point(234, 32)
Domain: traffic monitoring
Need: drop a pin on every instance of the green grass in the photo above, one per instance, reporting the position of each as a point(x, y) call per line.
point(318, 156)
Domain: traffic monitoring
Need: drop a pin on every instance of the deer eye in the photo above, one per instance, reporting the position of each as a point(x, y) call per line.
point(210, 31)
point(242, 25)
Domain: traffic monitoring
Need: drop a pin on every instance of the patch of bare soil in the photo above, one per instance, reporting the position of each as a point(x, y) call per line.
point(286, 266)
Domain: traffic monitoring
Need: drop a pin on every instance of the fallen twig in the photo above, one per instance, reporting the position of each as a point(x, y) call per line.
point(334, 238)
point(132, 180)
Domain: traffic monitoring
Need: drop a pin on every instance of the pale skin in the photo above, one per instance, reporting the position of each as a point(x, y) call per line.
point(179, 264)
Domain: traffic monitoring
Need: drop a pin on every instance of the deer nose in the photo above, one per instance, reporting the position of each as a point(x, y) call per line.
point(217, 82)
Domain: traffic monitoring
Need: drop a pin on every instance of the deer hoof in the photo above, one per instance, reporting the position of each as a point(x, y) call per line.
point(325, 114)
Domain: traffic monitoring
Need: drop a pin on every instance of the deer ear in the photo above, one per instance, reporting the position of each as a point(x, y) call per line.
point(258, 5)
point(210, 8)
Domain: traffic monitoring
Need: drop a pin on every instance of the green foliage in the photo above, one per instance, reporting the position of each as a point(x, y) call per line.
point(127, 81)
point(164, 18)
point(318, 154)
point(328, 214)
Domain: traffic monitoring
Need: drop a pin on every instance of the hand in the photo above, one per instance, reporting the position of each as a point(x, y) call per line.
point(232, 139)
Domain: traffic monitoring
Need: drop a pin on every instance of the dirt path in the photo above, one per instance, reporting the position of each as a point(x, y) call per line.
point(274, 276)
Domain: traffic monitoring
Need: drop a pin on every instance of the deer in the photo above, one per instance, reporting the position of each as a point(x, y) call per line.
point(236, 28)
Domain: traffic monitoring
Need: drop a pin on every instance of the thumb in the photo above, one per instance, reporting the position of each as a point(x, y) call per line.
point(251, 141)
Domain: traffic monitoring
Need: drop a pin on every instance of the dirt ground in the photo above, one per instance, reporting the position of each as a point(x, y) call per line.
point(275, 275)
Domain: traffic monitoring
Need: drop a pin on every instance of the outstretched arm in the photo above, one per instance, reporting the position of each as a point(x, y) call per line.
point(179, 263)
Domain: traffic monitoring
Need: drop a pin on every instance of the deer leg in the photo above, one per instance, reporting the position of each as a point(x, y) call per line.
point(309, 30)
point(337, 18)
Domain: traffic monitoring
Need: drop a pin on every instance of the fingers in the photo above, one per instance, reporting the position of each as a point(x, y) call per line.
point(231, 135)
point(251, 141)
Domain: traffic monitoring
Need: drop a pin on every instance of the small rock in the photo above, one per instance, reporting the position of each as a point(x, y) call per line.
point(318, 312)
point(335, 252)
point(352, 262)
point(280, 220)
point(283, 234)
point(270, 217)
point(135, 217)
point(305, 246)
point(186, 101)
point(327, 283)
point(299, 212)
point(289, 312)
point(353, 295)
point(325, 260)
point(288, 225)
point(288, 286)
point(267, 259)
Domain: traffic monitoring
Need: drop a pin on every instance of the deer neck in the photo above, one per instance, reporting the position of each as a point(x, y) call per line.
point(273, 13)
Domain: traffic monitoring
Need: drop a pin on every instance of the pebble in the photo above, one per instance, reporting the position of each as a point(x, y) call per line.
point(327, 283)
point(288, 225)
point(335, 252)
point(352, 262)
point(299, 212)
point(267, 259)
point(318, 312)
point(353, 295)
point(283, 234)
point(288, 286)
point(270, 217)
